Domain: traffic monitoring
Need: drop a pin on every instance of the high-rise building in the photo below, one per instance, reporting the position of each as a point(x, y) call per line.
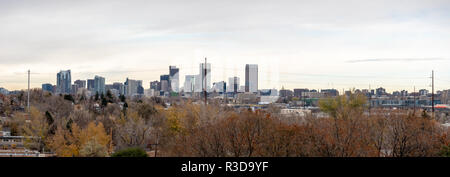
point(99, 85)
point(119, 87)
point(233, 85)
point(198, 83)
point(140, 89)
point(206, 79)
point(219, 87)
point(165, 80)
point(90, 84)
point(189, 83)
point(155, 85)
point(80, 83)
point(174, 80)
point(164, 85)
point(64, 82)
point(74, 89)
point(251, 78)
point(108, 87)
point(47, 87)
point(132, 87)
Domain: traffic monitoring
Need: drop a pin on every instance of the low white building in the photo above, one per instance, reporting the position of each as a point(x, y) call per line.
point(268, 99)
point(297, 112)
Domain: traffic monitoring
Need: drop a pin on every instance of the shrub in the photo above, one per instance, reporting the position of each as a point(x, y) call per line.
point(130, 152)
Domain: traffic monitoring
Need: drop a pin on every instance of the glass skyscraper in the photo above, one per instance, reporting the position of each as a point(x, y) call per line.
point(174, 80)
point(251, 78)
point(63, 82)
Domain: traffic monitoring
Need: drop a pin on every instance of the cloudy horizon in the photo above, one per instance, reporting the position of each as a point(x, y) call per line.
point(297, 44)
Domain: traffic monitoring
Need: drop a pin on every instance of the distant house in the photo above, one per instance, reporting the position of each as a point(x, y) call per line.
point(13, 146)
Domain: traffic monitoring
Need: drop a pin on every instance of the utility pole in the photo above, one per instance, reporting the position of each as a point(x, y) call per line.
point(432, 92)
point(204, 89)
point(414, 112)
point(192, 89)
point(28, 99)
point(156, 145)
point(370, 99)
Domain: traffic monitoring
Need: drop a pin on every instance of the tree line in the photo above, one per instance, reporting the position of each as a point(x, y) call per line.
point(103, 125)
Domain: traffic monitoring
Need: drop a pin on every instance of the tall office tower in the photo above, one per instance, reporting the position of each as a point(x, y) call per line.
point(164, 79)
point(119, 87)
point(99, 85)
point(63, 82)
point(90, 84)
point(174, 80)
point(198, 83)
point(80, 83)
point(164, 85)
point(206, 79)
point(131, 87)
point(74, 89)
point(189, 83)
point(155, 85)
point(140, 89)
point(219, 87)
point(251, 78)
point(108, 87)
point(233, 84)
point(47, 87)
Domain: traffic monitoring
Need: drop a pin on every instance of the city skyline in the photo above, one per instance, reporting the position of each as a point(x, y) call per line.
point(296, 44)
point(228, 80)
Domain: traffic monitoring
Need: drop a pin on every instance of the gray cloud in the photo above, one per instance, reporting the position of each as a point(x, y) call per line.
point(109, 36)
point(396, 59)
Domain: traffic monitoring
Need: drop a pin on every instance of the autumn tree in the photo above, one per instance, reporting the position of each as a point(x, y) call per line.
point(89, 141)
point(35, 128)
point(346, 112)
point(132, 131)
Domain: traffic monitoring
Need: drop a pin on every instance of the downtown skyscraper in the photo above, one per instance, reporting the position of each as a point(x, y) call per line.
point(189, 83)
point(251, 78)
point(174, 79)
point(233, 84)
point(99, 85)
point(63, 82)
point(132, 87)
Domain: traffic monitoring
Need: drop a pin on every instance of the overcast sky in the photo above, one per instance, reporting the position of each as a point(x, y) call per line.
point(297, 44)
